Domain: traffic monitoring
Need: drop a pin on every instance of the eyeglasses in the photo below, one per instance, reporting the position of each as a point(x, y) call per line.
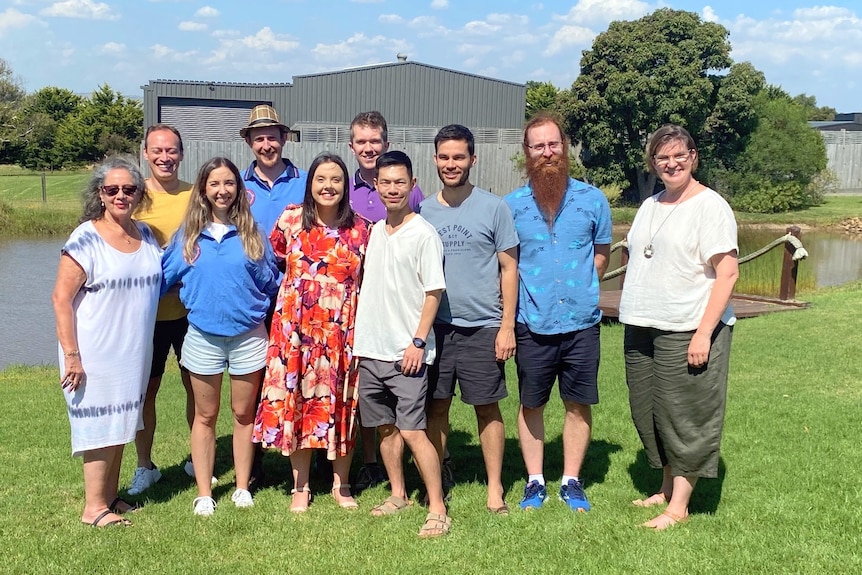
point(388, 184)
point(128, 190)
point(680, 158)
point(540, 148)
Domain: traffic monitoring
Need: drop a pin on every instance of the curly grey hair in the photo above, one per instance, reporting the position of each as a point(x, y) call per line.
point(94, 209)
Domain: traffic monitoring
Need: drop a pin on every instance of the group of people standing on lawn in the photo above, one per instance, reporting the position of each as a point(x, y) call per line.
point(342, 303)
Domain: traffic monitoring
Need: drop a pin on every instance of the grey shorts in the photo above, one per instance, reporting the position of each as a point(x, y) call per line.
point(387, 397)
point(467, 354)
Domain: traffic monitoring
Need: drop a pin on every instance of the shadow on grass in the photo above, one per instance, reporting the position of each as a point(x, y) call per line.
point(707, 492)
point(470, 465)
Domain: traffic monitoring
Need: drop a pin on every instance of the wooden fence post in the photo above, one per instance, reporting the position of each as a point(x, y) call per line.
point(790, 267)
point(44, 189)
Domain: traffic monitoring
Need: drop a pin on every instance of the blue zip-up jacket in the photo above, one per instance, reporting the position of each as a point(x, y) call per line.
point(226, 293)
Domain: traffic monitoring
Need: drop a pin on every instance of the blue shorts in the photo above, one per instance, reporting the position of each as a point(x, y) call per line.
point(572, 357)
point(207, 354)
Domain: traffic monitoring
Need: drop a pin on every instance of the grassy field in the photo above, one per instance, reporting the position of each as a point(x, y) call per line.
point(786, 501)
point(22, 212)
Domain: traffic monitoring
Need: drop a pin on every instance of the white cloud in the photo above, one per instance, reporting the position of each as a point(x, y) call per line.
point(592, 12)
point(113, 48)
point(480, 28)
point(266, 40)
point(508, 19)
point(390, 19)
point(439, 4)
point(474, 49)
point(164, 53)
point(250, 52)
point(427, 26)
point(12, 19)
point(823, 13)
point(188, 26)
point(357, 50)
point(226, 33)
point(709, 15)
point(85, 9)
point(207, 12)
point(567, 37)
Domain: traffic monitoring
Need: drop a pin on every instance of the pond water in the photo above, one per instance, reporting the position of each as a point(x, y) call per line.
point(29, 267)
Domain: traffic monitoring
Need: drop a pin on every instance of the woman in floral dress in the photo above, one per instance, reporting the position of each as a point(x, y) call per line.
point(309, 390)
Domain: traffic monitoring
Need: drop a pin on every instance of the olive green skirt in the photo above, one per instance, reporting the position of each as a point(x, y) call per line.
point(678, 410)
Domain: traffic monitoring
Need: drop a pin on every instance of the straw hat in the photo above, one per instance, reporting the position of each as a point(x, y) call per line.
point(262, 116)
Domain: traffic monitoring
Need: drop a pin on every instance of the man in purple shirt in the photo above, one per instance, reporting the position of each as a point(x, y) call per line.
point(369, 139)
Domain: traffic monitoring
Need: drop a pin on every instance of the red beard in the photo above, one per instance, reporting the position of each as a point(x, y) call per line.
point(549, 178)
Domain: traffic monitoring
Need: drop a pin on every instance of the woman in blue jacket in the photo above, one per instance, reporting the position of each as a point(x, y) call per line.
point(228, 275)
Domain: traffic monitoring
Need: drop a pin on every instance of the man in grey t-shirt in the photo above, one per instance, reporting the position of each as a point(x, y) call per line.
point(475, 323)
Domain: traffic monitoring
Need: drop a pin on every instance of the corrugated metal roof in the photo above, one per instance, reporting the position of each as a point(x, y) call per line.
point(406, 93)
point(389, 64)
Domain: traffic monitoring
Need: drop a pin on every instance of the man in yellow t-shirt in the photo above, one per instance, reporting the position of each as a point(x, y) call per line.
point(163, 150)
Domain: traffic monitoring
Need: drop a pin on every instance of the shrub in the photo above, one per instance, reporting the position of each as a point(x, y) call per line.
point(613, 193)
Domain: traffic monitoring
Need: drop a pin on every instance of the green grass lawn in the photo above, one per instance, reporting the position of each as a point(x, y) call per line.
point(787, 499)
point(23, 188)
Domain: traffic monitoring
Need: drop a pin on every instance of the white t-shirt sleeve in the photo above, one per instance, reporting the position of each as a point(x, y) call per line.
point(431, 263)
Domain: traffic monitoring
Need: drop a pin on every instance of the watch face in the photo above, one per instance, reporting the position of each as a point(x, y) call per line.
point(420, 343)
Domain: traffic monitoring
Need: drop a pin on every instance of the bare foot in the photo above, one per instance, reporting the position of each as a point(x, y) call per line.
point(655, 499)
point(665, 521)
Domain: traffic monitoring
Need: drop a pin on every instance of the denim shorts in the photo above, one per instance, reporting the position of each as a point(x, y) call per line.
point(207, 354)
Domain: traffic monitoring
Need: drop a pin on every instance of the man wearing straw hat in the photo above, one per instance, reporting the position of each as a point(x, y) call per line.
point(272, 182)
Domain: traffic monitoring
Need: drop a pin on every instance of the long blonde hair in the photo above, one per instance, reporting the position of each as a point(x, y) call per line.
point(199, 213)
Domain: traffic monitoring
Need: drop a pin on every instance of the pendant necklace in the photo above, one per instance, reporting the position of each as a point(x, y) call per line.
point(649, 251)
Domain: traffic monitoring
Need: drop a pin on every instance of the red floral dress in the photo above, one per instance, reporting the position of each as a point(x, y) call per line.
point(310, 385)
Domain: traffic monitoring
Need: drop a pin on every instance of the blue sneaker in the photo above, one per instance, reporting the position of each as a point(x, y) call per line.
point(572, 494)
point(534, 496)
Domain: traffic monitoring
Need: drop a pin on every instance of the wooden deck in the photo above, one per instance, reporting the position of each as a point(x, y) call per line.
point(743, 305)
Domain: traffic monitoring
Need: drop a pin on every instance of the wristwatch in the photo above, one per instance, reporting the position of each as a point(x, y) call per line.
point(419, 342)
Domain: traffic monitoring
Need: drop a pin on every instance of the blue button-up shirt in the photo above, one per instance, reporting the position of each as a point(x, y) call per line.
point(267, 203)
point(558, 284)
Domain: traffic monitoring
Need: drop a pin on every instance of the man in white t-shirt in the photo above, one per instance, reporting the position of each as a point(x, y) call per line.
point(394, 341)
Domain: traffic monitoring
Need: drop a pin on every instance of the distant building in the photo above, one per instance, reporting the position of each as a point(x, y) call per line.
point(409, 94)
point(843, 139)
point(416, 100)
point(849, 122)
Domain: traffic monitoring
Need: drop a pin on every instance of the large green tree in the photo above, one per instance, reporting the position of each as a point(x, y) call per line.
point(812, 111)
point(781, 159)
point(46, 109)
point(13, 125)
point(106, 123)
point(540, 96)
point(668, 66)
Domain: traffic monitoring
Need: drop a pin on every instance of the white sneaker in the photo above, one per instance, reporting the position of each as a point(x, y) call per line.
point(242, 498)
point(190, 471)
point(143, 479)
point(204, 506)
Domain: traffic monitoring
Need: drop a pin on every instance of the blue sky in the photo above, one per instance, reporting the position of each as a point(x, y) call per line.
point(801, 45)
